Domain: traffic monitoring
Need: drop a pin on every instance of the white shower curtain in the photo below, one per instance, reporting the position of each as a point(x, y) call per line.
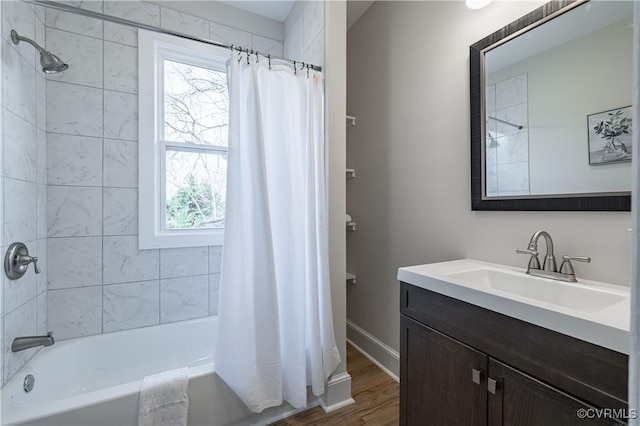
point(634, 343)
point(275, 329)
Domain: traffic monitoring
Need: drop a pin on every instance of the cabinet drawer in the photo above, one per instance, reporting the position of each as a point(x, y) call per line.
point(589, 372)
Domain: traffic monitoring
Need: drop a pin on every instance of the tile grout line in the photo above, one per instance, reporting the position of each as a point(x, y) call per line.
point(159, 250)
point(35, 102)
point(3, 227)
point(159, 284)
point(93, 87)
point(102, 193)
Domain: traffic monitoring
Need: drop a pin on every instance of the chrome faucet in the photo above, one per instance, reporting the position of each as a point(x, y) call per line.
point(23, 343)
point(550, 267)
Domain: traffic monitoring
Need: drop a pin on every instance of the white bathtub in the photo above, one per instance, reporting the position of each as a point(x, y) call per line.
point(95, 380)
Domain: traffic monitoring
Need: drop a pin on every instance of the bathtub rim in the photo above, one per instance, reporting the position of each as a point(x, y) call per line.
point(23, 413)
point(12, 413)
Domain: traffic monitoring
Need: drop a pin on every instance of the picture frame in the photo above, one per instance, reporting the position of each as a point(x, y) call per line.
point(610, 136)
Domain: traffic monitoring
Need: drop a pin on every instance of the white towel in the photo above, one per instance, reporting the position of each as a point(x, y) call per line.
point(164, 399)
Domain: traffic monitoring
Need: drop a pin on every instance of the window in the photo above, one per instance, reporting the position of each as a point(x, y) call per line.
point(184, 117)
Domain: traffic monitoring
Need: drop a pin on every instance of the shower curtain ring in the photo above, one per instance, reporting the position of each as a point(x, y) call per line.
point(269, 57)
point(257, 57)
point(239, 54)
point(307, 70)
point(248, 55)
point(295, 68)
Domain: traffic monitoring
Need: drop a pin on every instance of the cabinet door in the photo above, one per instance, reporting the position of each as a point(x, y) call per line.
point(437, 381)
point(521, 400)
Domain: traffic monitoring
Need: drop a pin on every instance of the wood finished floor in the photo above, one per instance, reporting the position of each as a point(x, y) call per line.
point(376, 394)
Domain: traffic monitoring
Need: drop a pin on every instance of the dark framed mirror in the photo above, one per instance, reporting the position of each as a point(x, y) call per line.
point(550, 110)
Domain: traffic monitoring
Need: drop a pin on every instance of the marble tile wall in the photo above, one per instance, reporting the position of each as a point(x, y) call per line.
point(99, 281)
point(23, 302)
point(305, 38)
point(507, 150)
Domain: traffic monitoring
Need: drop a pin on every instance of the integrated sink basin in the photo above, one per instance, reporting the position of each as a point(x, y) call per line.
point(573, 296)
point(593, 311)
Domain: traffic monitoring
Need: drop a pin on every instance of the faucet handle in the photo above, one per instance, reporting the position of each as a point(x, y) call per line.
point(17, 259)
point(25, 260)
point(527, 251)
point(534, 262)
point(567, 267)
point(585, 259)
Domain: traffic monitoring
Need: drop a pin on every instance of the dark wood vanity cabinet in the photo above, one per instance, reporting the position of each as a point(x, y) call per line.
point(436, 379)
point(522, 400)
point(464, 365)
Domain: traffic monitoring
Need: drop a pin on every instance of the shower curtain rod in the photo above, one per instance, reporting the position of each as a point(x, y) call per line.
point(115, 20)
point(517, 126)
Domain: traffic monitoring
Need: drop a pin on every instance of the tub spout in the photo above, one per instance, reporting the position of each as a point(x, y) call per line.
point(23, 343)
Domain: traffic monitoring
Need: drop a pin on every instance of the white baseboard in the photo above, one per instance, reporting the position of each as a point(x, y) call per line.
point(378, 352)
point(338, 393)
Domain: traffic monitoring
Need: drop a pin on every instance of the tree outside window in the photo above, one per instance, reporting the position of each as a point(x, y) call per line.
point(196, 116)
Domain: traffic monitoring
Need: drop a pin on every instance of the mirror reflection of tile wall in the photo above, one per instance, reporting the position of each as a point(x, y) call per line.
point(507, 146)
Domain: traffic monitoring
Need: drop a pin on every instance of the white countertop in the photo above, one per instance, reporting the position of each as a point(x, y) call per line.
point(608, 327)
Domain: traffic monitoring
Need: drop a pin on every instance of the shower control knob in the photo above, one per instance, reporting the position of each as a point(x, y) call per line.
point(25, 260)
point(17, 260)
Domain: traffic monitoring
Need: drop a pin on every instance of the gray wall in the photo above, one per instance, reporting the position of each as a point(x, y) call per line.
point(23, 170)
point(408, 85)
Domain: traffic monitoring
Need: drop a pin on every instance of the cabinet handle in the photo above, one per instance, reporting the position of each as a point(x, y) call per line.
point(492, 385)
point(476, 376)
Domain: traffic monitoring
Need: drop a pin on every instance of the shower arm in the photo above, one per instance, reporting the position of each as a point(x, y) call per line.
point(18, 38)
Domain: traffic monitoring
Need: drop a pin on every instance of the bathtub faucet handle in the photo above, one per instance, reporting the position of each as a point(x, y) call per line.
point(26, 260)
point(17, 260)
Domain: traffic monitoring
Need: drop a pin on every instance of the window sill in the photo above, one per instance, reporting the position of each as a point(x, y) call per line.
point(177, 239)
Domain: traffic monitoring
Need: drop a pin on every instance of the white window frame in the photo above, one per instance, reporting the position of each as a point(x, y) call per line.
point(153, 49)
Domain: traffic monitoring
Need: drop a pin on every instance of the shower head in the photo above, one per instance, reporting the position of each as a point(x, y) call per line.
point(51, 64)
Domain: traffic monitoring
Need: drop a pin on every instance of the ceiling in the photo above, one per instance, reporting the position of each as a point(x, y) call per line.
point(355, 9)
point(274, 9)
point(279, 9)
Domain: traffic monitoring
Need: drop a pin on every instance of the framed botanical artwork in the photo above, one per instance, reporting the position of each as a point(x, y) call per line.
point(610, 136)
